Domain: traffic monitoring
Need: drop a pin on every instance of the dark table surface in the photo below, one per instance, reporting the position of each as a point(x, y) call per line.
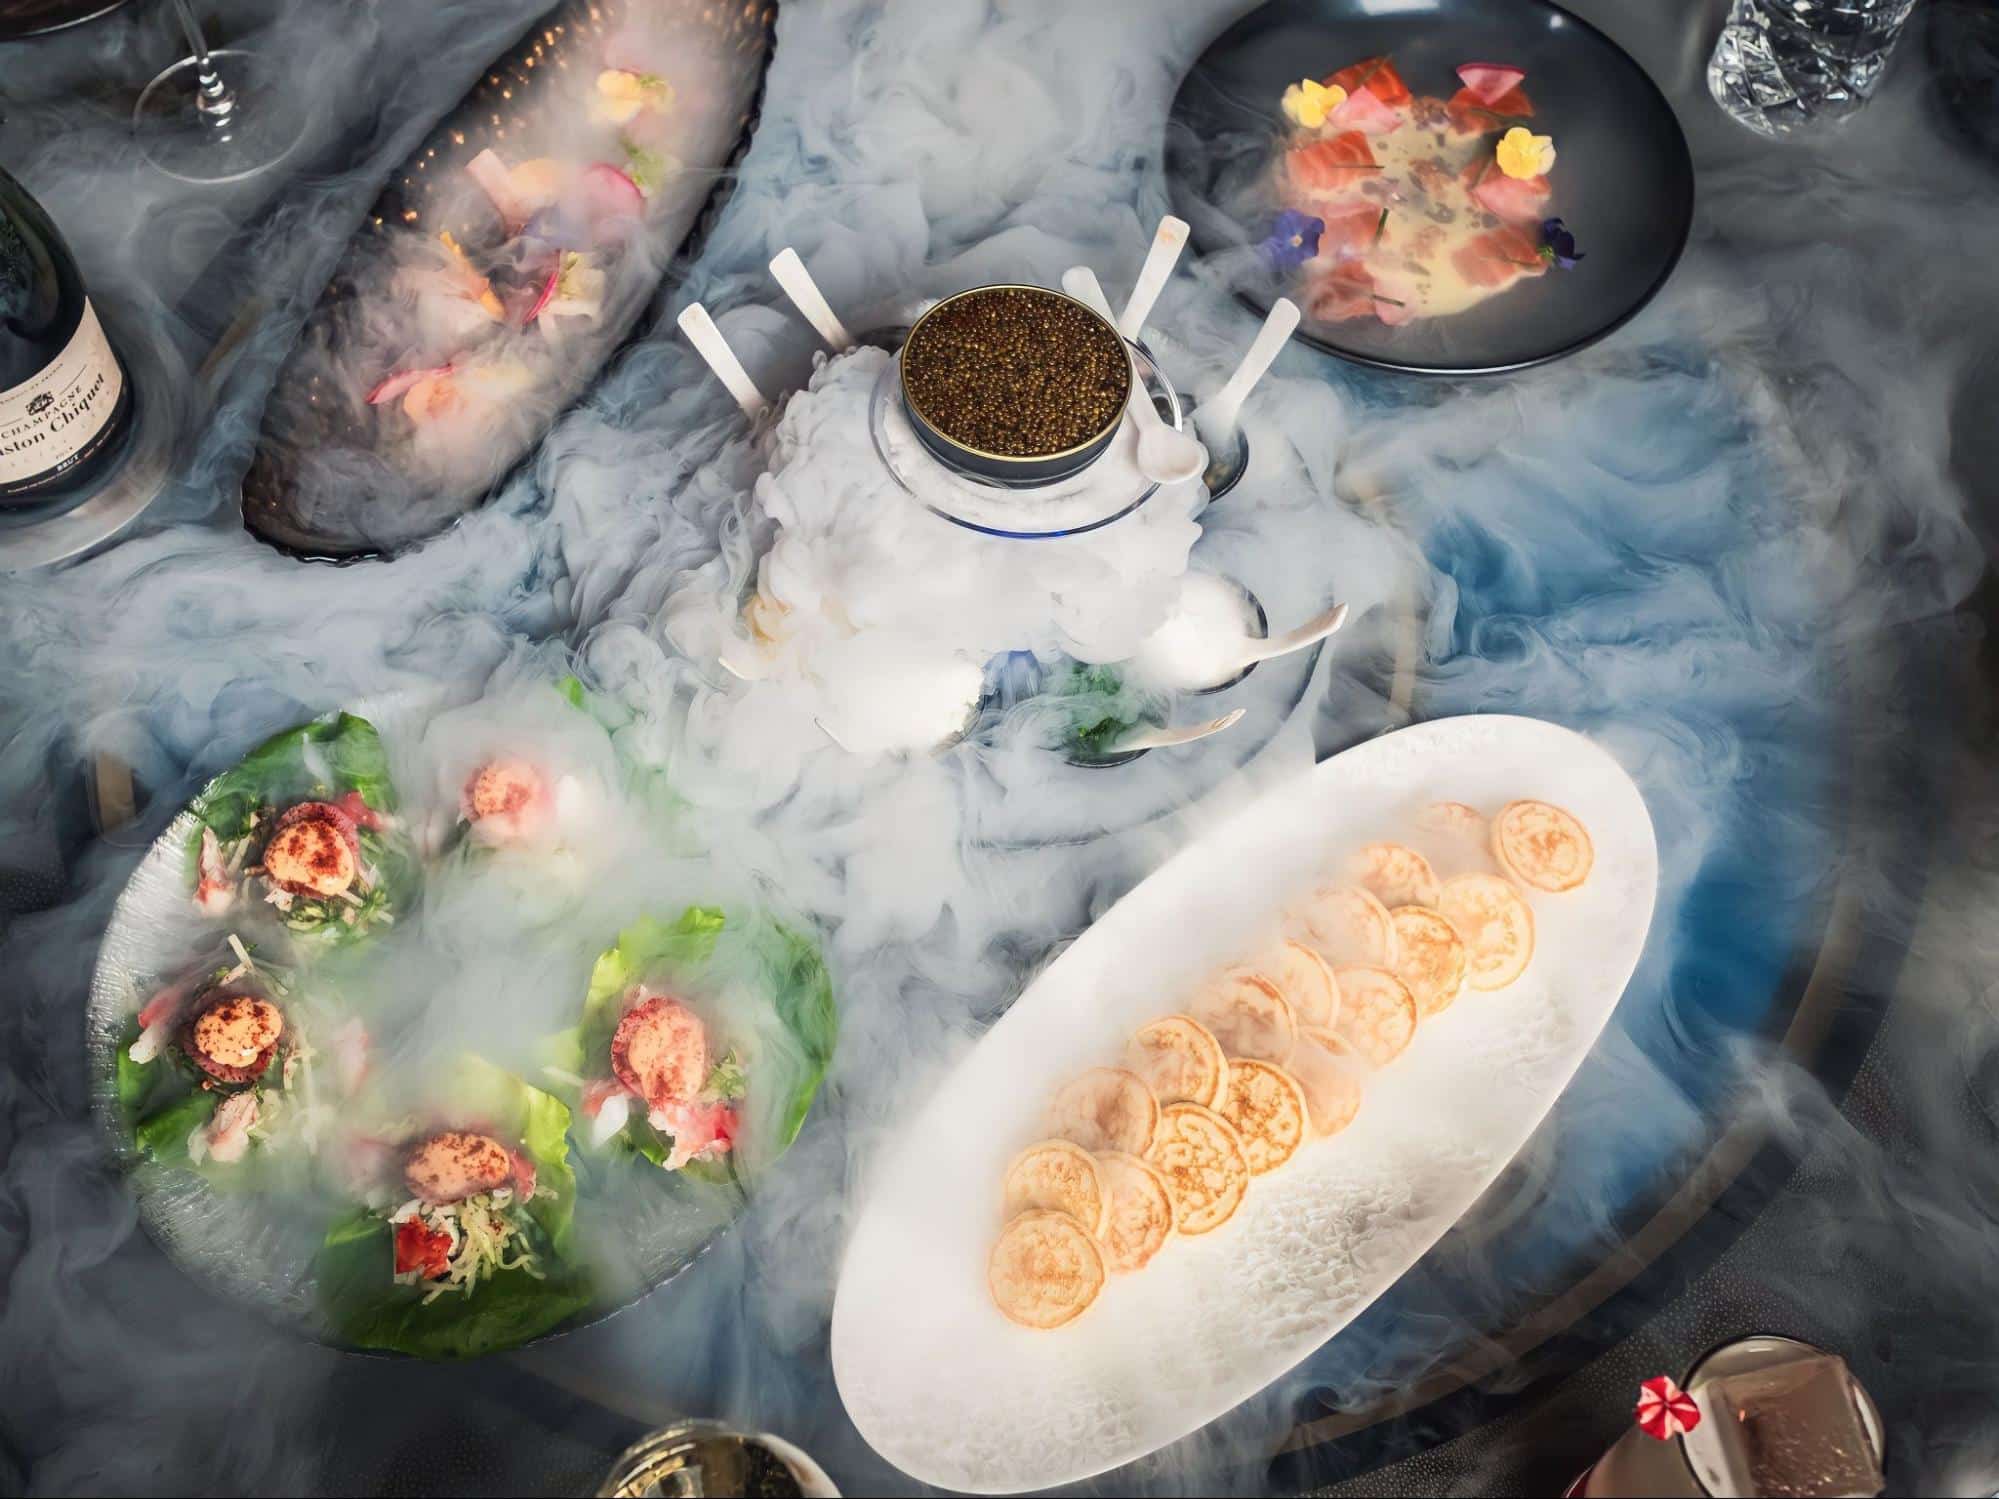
point(1834, 321)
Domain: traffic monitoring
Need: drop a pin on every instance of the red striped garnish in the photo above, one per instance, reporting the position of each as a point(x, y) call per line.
point(1665, 1410)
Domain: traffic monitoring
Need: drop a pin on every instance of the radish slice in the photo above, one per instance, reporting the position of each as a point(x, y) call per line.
point(614, 1115)
point(497, 181)
point(609, 195)
point(150, 1040)
point(547, 292)
point(1362, 111)
point(163, 1005)
point(1489, 82)
point(401, 383)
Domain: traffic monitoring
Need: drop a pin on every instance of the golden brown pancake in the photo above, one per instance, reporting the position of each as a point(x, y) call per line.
point(1267, 1106)
point(1107, 1108)
point(1432, 958)
point(1377, 1014)
point(1141, 1212)
point(1496, 924)
point(1542, 846)
point(1347, 926)
point(1457, 839)
point(1045, 1270)
point(1199, 1156)
point(1332, 1077)
point(1180, 1060)
point(1061, 1176)
point(1302, 977)
point(1453, 817)
point(1395, 875)
point(1248, 1016)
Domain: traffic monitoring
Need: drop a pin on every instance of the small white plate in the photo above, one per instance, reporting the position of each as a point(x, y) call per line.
point(952, 1393)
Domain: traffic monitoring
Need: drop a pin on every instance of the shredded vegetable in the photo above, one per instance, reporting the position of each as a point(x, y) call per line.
point(485, 1239)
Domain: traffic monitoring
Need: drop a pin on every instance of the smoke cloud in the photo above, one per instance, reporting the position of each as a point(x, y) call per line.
point(1729, 542)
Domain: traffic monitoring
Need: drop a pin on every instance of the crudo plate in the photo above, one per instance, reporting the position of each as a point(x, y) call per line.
point(951, 1392)
point(1623, 182)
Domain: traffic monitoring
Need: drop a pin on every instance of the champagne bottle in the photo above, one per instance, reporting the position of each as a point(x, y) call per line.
point(65, 401)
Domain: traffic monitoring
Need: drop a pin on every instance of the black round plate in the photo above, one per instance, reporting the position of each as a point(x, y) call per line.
point(1624, 182)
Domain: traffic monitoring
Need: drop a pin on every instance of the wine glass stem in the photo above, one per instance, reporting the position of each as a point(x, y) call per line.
point(213, 101)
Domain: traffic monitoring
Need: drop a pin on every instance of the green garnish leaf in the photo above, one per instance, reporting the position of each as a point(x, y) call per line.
point(163, 1136)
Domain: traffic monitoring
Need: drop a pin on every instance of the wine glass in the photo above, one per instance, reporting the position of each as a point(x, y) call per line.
point(215, 116)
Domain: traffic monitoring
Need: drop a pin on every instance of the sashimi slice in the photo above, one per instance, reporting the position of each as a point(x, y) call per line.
point(1518, 200)
point(1497, 257)
point(401, 382)
point(1351, 231)
point(1470, 114)
point(1333, 165)
point(1392, 311)
point(432, 398)
point(1490, 82)
point(1395, 294)
point(1341, 294)
point(1377, 76)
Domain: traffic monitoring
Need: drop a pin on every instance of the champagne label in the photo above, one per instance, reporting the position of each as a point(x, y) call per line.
point(47, 420)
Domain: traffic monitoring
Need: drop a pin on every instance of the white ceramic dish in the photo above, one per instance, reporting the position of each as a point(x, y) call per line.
point(951, 1392)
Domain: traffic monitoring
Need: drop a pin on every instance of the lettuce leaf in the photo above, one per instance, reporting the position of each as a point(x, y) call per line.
point(610, 714)
point(157, 1104)
point(355, 1268)
point(804, 1000)
point(288, 768)
point(793, 973)
point(363, 1305)
point(647, 947)
point(538, 1122)
point(322, 760)
point(134, 1081)
point(163, 1135)
point(544, 1137)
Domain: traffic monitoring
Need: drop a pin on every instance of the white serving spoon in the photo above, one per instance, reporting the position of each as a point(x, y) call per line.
point(1205, 645)
point(1218, 417)
point(711, 346)
point(1309, 633)
point(1168, 240)
point(1165, 455)
point(1151, 739)
point(806, 297)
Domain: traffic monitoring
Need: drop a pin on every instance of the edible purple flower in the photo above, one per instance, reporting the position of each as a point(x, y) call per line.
point(1558, 246)
point(1294, 239)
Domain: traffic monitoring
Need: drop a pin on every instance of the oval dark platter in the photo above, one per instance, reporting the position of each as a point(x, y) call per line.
point(334, 478)
point(1624, 183)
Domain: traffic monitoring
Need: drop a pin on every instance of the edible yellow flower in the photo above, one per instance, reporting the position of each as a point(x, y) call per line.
point(1308, 102)
point(622, 95)
point(1524, 154)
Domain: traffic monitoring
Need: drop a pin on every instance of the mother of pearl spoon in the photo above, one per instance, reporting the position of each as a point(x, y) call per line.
point(1165, 455)
point(1309, 633)
point(1151, 739)
point(1168, 240)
